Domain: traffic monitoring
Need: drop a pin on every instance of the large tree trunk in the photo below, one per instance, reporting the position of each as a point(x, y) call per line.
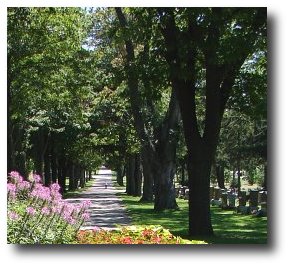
point(199, 202)
point(47, 168)
point(11, 165)
point(62, 172)
point(148, 180)
point(148, 150)
point(119, 171)
point(164, 187)
point(40, 145)
point(220, 175)
point(265, 176)
point(53, 164)
point(71, 185)
point(138, 176)
point(82, 178)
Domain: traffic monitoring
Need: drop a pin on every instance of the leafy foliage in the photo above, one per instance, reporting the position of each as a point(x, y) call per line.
point(154, 234)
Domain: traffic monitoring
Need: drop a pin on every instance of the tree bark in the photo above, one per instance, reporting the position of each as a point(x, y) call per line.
point(62, 172)
point(130, 176)
point(150, 157)
point(148, 180)
point(119, 171)
point(47, 168)
point(220, 174)
point(82, 178)
point(53, 164)
point(71, 185)
point(138, 176)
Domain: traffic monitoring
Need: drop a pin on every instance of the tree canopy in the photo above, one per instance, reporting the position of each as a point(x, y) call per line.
point(145, 91)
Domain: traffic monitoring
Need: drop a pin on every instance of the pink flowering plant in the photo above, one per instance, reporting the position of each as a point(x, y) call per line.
point(37, 214)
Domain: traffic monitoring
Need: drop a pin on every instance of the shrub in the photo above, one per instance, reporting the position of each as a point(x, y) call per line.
point(38, 215)
point(154, 234)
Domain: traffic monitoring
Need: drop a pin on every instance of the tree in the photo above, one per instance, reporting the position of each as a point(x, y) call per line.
point(158, 153)
point(220, 40)
point(49, 87)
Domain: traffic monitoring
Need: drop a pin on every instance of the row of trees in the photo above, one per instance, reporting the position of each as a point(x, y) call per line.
point(150, 91)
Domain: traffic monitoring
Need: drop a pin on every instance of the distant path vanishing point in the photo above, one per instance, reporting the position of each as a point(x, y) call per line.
point(107, 210)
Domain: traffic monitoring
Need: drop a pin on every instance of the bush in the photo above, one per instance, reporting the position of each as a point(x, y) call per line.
point(38, 215)
point(132, 235)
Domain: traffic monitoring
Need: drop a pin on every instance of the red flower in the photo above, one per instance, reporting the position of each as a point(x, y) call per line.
point(126, 240)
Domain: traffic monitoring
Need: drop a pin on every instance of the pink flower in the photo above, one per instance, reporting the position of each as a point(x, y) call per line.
point(70, 220)
point(37, 178)
point(86, 204)
point(31, 211)
point(57, 208)
point(45, 211)
point(15, 177)
point(23, 185)
point(54, 192)
point(41, 192)
point(12, 215)
point(11, 188)
point(86, 216)
point(55, 187)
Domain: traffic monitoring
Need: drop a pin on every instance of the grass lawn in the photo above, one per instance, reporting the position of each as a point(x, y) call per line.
point(229, 227)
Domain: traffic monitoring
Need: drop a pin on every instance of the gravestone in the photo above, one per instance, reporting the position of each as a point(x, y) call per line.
point(224, 200)
point(253, 200)
point(262, 197)
point(264, 208)
point(217, 193)
point(211, 192)
point(186, 194)
point(243, 198)
point(232, 200)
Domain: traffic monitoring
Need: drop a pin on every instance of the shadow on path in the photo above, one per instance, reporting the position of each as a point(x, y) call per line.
point(107, 210)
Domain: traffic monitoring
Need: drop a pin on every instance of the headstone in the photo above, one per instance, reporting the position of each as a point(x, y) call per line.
point(177, 191)
point(217, 193)
point(211, 192)
point(242, 198)
point(182, 192)
point(264, 208)
point(215, 202)
point(224, 199)
point(253, 200)
point(243, 210)
point(262, 197)
point(186, 195)
point(232, 200)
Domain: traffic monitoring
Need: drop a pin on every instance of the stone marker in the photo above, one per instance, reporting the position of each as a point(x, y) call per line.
point(243, 198)
point(211, 192)
point(224, 198)
point(253, 200)
point(232, 200)
point(217, 193)
point(186, 195)
point(262, 197)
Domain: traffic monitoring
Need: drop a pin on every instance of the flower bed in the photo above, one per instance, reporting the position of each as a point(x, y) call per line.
point(38, 214)
point(132, 235)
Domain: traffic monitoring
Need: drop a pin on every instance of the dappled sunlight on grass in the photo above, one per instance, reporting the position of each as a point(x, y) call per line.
point(229, 227)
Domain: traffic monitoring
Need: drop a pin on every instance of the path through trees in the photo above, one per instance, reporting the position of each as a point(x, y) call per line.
point(107, 210)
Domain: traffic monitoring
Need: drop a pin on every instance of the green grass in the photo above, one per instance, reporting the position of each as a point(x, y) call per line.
point(229, 227)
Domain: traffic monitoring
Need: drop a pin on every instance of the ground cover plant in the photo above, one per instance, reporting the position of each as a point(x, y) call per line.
point(146, 234)
point(38, 215)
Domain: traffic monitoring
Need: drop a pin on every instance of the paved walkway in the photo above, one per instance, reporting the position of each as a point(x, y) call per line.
point(107, 210)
